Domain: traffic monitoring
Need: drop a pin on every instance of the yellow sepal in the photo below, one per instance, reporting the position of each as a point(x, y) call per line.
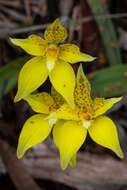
point(55, 32)
point(31, 76)
point(34, 45)
point(73, 161)
point(41, 102)
point(71, 53)
point(82, 93)
point(104, 132)
point(57, 97)
point(68, 137)
point(67, 113)
point(35, 130)
point(62, 78)
point(101, 105)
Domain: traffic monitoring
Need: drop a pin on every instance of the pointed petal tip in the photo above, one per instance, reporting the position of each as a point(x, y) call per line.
point(122, 156)
point(117, 99)
point(13, 40)
point(10, 38)
point(120, 153)
point(87, 57)
point(73, 161)
point(63, 167)
point(93, 58)
point(120, 98)
point(19, 154)
point(57, 20)
point(17, 99)
point(64, 162)
point(19, 96)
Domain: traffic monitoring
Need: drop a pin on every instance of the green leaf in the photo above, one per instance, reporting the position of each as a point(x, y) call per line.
point(9, 75)
point(109, 82)
point(107, 31)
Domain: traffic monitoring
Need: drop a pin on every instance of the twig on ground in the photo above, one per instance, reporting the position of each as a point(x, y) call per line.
point(17, 171)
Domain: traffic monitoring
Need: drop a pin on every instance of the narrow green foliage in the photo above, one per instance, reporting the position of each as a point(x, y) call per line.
point(107, 31)
point(9, 75)
point(110, 82)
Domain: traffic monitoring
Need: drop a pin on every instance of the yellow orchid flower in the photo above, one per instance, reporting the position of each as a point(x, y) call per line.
point(70, 126)
point(51, 59)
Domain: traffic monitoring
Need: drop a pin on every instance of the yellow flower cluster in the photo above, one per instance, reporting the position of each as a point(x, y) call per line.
point(69, 111)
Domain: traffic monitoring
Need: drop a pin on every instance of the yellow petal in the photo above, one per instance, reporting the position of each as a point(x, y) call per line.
point(82, 93)
point(35, 130)
point(55, 32)
point(71, 53)
point(41, 102)
point(65, 112)
point(101, 105)
point(73, 161)
point(68, 137)
point(104, 132)
point(31, 76)
point(57, 97)
point(34, 45)
point(62, 78)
